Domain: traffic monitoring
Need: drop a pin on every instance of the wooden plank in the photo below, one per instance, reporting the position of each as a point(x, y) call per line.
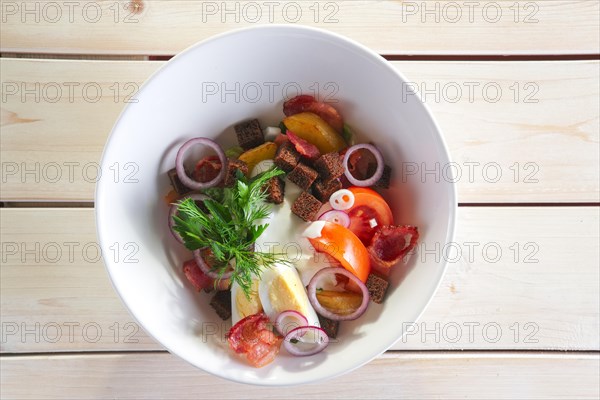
point(395, 375)
point(390, 27)
point(541, 292)
point(505, 145)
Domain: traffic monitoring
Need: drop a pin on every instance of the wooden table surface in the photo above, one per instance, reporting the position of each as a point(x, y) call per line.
point(515, 86)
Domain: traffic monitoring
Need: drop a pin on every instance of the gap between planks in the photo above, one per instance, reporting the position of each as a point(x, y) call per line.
point(389, 57)
point(79, 204)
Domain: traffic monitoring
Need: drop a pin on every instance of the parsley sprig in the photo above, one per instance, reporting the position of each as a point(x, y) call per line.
point(230, 227)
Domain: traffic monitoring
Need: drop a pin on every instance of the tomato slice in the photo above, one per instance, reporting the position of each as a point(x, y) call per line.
point(368, 206)
point(343, 245)
point(253, 339)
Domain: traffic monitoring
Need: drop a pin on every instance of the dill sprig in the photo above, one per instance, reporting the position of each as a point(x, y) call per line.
point(231, 227)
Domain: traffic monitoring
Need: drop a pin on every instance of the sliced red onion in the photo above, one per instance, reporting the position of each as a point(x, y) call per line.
point(207, 269)
point(378, 172)
point(312, 294)
point(189, 182)
point(289, 320)
point(173, 211)
point(300, 342)
point(343, 199)
point(337, 217)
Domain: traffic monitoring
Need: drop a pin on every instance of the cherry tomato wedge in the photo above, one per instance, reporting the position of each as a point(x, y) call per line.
point(343, 245)
point(254, 340)
point(369, 212)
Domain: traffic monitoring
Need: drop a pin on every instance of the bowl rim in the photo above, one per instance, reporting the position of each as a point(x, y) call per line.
point(302, 29)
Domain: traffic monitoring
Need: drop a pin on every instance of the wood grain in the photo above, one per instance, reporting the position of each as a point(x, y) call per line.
point(540, 293)
point(398, 375)
point(389, 27)
point(546, 111)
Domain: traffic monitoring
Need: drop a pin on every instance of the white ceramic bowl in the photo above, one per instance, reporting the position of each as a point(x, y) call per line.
point(204, 91)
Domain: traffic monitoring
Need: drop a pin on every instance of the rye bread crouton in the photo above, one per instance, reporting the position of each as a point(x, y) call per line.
point(221, 302)
point(324, 190)
point(287, 157)
point(303, 176)
point(377, 287)
point(249, 134)
point(234, 165)
point(179, 187)
point(384, 181)
point(306, 206)
point(275, 188)
point(330, 327)
point(329, 166)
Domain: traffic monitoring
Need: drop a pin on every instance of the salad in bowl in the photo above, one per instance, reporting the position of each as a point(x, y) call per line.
point(287, 230)
point(273, 181)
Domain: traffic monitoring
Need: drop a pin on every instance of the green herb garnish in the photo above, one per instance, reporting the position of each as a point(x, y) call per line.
point(230, 227)
point(348, 134)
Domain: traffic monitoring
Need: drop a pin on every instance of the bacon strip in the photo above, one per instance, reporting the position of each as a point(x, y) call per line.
point(391, 243)
point(305, 148)
point(307, 103)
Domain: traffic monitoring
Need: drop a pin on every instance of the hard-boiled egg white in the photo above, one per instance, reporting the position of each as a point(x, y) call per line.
point(280, 289)
point(242, 306)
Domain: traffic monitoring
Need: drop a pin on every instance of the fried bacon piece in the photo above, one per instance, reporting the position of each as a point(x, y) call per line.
point(253, 339)
point(307, 103)
point(306, 149)
point(391, 243)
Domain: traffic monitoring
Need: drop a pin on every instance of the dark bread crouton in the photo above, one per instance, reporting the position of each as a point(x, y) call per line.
point(275, 188)
point(329, 166)
point(384, 181)
point(287, 157)
point(324, 190)
point(249, 134)
point(221, 302)
point(303, 176)
point(234, 165)
point(330, 327)
point(179, 187)
point(377, 287)
point(306, 206)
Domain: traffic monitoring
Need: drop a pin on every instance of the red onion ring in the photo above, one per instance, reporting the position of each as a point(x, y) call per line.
point(207, 269)
point(322, 340)
point(337, 217)
point(173, 211)
point(189, 182)
point(314, 301)
point(284, 327)
point(378, 172)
